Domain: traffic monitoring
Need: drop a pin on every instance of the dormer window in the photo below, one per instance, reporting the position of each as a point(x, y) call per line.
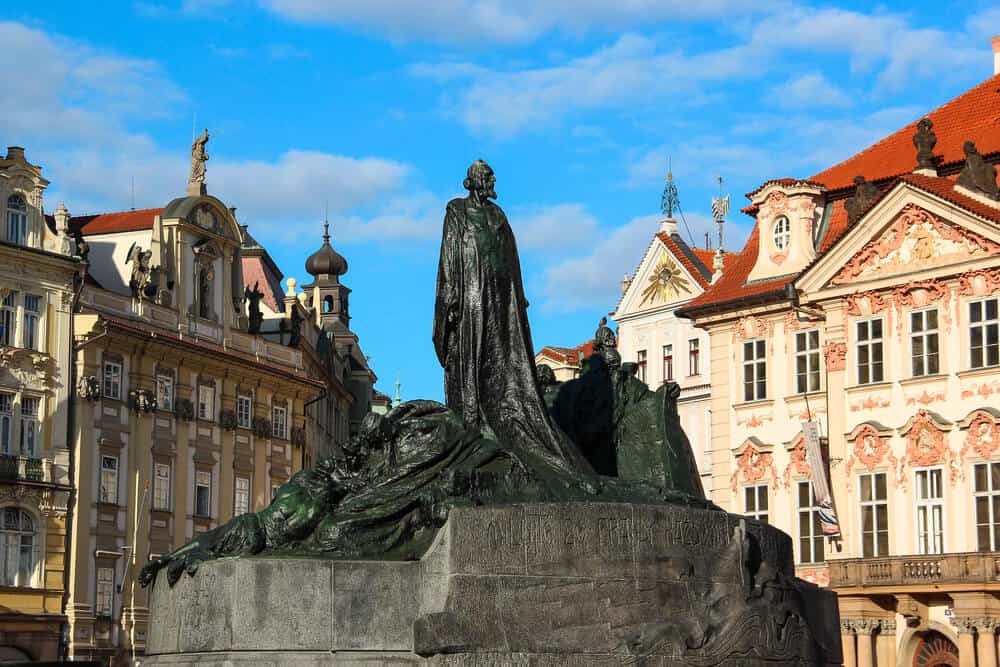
point(17, 220)
point(782, 232)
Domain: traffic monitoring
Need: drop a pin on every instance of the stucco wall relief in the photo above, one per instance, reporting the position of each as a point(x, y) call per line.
point(927, 444)
point(835, 356)
point(753, 465)
point(752, 326)
point(926, 398)
point(871, 449)
point(918, 295)
point(798, 464)
point(982, 436)
point(915, 238)
point(870, 403)
point(28, 368)
point(865, 303)
point(982, 390)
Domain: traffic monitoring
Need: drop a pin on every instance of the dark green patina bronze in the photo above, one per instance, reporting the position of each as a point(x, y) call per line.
point(501, 438)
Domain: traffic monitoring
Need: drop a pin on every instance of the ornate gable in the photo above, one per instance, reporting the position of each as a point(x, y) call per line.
point(660, 280)
point(915, 239)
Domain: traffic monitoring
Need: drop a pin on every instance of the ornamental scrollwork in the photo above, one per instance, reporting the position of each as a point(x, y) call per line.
point(184, 409)
point(227, 419)
point(142, 400)
point(88, 388)
point(835, 355)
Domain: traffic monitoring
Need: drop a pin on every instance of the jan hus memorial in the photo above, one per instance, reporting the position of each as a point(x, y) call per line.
point(518, 524)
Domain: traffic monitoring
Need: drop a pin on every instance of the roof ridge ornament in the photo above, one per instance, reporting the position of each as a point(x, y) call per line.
point(978, 176)
point(925, 140)
point(671, 198)
point(865, 194)
point(199, 156)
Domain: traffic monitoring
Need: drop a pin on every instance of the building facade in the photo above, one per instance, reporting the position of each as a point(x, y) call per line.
point(37, 286)
point(866, 301)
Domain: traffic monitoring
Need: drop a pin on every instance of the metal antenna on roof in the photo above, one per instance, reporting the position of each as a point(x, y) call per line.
point(326, 222)
point(133, 193)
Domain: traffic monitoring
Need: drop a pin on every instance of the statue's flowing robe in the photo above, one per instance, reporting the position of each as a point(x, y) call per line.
point(481, 333)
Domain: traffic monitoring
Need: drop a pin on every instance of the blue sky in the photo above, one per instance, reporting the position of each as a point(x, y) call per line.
point(378, 106)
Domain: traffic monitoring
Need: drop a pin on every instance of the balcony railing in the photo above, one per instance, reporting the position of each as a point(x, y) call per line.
point(25, 468)
point(975, 567)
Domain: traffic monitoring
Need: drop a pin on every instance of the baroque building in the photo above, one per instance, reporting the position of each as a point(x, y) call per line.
point(203, 386)
point(865, 303)
point(37, 285)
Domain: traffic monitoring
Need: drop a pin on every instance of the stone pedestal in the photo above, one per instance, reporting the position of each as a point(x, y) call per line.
point(544, 584)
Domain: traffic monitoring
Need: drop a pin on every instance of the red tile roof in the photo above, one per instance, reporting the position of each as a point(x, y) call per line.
point(973, 115)
point(110, 223)
point(568, 355)
point(693, 263)
point(255, 272)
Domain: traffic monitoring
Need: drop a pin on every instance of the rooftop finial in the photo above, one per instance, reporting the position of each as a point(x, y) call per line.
point(326, 223)
point(670, 200)
point(720, 209)
point(398, 399)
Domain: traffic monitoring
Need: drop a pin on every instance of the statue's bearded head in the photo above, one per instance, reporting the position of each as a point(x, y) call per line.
point(480, 180)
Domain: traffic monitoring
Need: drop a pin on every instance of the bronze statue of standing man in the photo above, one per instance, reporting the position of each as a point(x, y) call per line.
point(481, 332)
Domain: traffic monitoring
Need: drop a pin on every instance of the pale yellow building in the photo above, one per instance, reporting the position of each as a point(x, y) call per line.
point(871, 309)
point(37, 277)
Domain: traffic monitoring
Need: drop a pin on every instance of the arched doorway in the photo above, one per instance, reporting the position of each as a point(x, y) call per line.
point(935, 650)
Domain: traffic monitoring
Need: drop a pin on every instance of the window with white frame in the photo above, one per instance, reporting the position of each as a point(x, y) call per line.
point(109, 479)
point(244, 410)
point(694, 367)
point(206, 402)
point(668, 362)
point(782, 233)
point(754, 370)
point(807, 361)
point(986, 492)
point(112, 379)
point(241, 499)
point(30, 322)
point(165, 391)
point(874, 515)
point(105, 591)
point(930, 511)
point(6, 423)
point(161, 487)
point(203, 493)
point(279, 421)
point(810, 528)
point(8, 315)
point(869, 347)
point(17, 220)
point(17, 548)
point(755, 502)
point(924, 342)
point(984, 338)
point(29, 426)
point(640, 362)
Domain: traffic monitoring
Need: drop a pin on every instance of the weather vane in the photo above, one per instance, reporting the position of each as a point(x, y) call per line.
point(670, 200)
point(720, 209)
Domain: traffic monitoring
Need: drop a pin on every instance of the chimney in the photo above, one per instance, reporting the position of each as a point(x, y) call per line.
point(17, 153)
point(668, 226)
point(996, 54)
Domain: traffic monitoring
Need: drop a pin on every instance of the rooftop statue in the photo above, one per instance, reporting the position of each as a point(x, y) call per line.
point(494, 442)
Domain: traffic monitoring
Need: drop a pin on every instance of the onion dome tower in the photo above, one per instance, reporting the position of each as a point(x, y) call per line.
point(331, 299)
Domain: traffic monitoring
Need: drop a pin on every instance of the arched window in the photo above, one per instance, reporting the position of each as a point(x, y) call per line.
point(17, 548)
point(782, 233)
point(328, 304)
point(17, 220)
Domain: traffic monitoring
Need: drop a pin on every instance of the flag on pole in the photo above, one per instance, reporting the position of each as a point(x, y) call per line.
point(821, 482)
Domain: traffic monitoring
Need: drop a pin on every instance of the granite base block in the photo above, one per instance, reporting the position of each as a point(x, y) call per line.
point(542, 585)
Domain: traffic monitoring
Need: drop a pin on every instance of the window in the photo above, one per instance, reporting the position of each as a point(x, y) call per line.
point(203, 494)
point(274, 490)
point(693, 367)
point(279, 423)
point(874, 516)
point(807, 361)
point(6, 423)
point(32, 314)
point(668, 362)
point(987, 499)
point(165, 392)
point(206, 402)
point(161, 487)
point(105, 591)
point(17, 220)
point(984, 346)
point(244, 411)
point(29, 426)
point(8, 312)
point(924, 342)
point(870, 351)
point(241, 501)
point(109, 479)
point(640, 362)
point(113, 380)
point(754, 371)
point(930, 512)
point(17, 548)
point(755, 502)
point(810, 530)
point(782, 233)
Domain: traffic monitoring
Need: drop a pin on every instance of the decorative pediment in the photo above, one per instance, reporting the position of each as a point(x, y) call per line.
point(29, 369)
point(869, 446)
point(798, 462)
point(982, 434)
point(660, 280)
point(754, 460)
point(665, 283)
point(915, 239)
point(927, 442)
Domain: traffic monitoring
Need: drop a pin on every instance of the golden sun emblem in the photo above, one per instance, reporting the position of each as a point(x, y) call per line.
point(666, 280)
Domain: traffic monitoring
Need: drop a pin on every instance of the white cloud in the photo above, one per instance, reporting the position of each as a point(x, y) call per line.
point(553, 228)
point(580, 282)
point(492, 22)
point(809, 90)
